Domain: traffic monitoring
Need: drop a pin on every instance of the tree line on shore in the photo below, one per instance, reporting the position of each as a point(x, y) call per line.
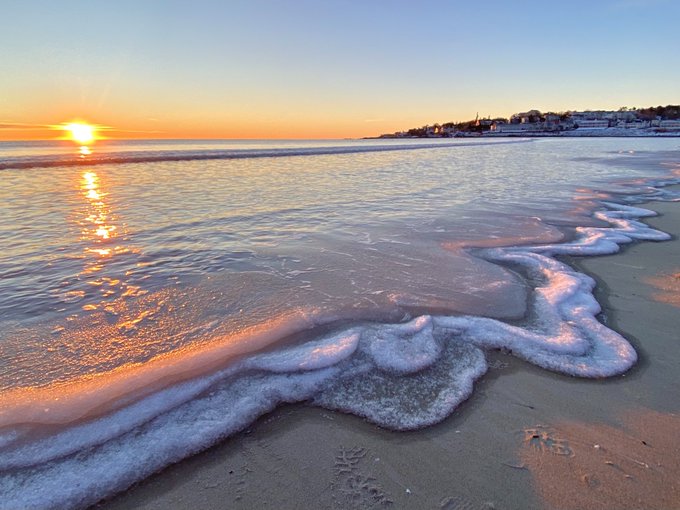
point(668, 112)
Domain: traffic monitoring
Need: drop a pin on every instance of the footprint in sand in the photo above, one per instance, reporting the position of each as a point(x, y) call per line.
point(352, 487)
point(542, 439)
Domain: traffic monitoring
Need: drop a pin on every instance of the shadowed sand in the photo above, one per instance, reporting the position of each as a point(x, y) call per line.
point(527, 438)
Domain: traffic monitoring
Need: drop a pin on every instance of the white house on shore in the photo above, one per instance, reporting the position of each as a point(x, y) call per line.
point(612, 116)
point(636, 124)
point(504, 127)
point(592, 124)
point(669, 124)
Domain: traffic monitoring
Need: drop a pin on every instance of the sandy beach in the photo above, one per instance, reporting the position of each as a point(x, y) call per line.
point(527, 438)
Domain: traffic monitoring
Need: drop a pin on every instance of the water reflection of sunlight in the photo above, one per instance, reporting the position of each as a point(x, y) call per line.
point(101, 236)
point(98, 227)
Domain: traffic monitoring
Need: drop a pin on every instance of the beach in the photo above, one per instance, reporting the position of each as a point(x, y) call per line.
point(184, 324)
point(526, 438)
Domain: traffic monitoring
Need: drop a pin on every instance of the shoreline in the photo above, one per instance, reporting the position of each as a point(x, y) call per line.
point(529, 134)
point(484, 454)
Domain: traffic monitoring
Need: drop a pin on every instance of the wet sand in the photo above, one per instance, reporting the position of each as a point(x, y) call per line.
point(527, 438)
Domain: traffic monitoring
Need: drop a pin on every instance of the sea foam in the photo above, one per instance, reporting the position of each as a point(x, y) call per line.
point(399, 376)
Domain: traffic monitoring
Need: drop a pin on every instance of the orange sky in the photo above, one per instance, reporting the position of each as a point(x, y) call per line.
point(336, 69)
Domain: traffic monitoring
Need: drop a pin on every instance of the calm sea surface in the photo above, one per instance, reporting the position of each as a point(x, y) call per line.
point(137, 279)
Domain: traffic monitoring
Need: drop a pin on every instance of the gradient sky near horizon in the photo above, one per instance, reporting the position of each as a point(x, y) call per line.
point(324, 69)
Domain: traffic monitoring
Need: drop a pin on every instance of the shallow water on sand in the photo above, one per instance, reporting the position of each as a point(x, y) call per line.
point(137, 282)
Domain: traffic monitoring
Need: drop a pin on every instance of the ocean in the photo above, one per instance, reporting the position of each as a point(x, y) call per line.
point(158, 296)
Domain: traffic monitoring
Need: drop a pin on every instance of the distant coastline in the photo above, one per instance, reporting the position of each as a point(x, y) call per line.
point(601, 133)
point(624, 122)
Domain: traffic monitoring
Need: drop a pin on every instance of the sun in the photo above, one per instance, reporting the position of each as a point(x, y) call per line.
point(80, 132)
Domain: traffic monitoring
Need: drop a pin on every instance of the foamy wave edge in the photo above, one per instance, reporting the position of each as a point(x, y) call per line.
point(399, 376)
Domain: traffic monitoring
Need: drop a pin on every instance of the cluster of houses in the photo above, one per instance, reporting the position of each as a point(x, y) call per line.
point(534, 121)
point(573, 123)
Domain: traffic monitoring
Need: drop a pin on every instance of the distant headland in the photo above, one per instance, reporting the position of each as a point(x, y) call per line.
point(652, 121)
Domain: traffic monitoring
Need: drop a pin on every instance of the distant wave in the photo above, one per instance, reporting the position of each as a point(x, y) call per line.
point(123, 157)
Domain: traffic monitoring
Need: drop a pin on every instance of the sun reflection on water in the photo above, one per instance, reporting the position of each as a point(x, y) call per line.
point(102, 239)
point(99, 227)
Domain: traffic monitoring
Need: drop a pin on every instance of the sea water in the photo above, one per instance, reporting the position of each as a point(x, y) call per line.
point(158, 296)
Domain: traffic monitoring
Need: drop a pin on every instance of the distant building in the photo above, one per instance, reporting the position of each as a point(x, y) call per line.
point(530, 117)
point(669, 124)
point(635, 124)
point(587, 115)
point(592, 124)
point(626, 116)
point(515, 128)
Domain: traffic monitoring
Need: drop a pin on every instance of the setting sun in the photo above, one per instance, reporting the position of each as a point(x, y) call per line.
point(80, 132)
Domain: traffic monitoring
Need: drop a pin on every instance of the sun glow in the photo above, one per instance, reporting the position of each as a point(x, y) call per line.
point(80, 132)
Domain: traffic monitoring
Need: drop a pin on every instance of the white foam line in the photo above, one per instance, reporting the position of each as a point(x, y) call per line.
point(314, 355)
point(567, 336)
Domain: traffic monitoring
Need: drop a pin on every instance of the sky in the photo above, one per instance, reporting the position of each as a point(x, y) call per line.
point(324, 69)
